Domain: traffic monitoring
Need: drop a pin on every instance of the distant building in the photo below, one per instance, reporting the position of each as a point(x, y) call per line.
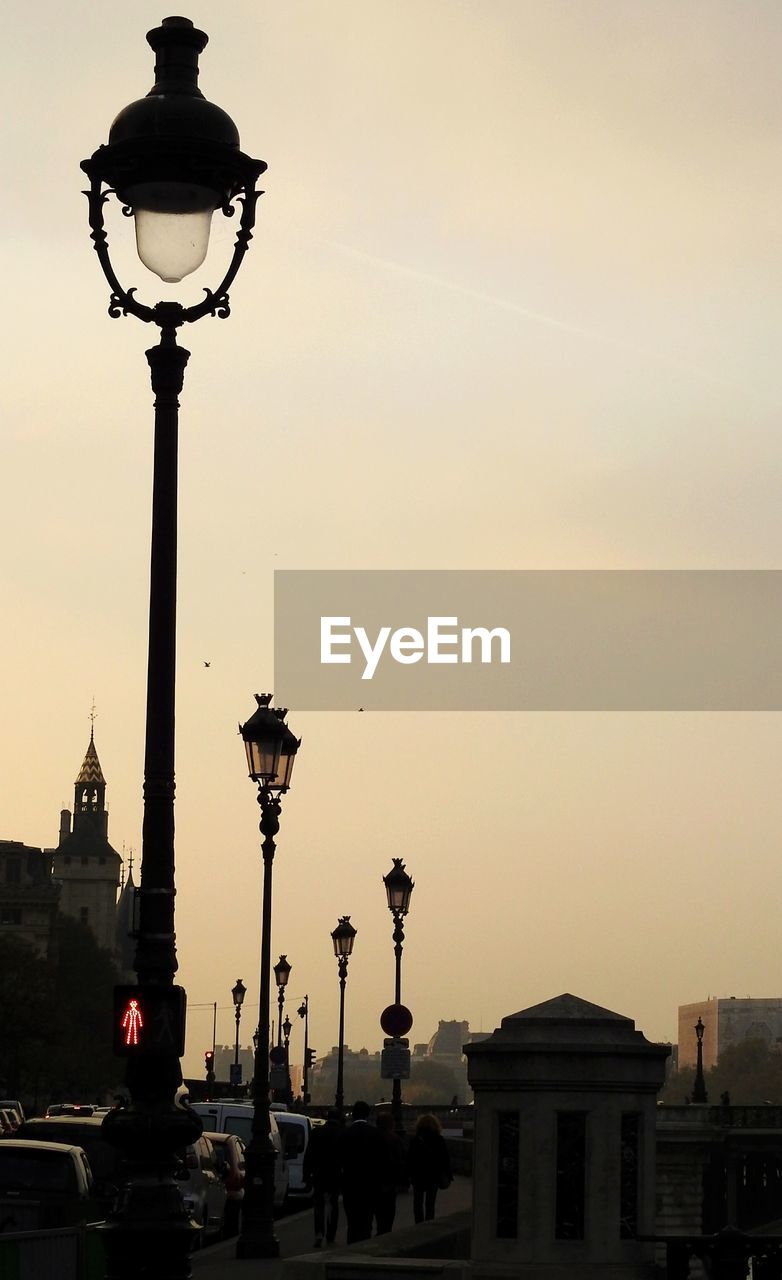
point(28, 895)
point(84, 861)
point(727, 1021)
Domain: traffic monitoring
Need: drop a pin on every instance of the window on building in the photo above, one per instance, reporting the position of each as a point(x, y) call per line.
point(628, 1175)
point(507, 1175)
point(84, 915)
point(13, 870)
point(571, 1175)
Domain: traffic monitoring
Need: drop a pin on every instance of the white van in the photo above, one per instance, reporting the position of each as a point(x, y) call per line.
point(237, 1117)
point(296, 1130)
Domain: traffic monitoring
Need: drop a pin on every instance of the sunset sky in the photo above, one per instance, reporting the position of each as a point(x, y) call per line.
point(512, 303)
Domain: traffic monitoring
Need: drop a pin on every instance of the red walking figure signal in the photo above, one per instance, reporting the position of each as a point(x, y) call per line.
point(132, 1022)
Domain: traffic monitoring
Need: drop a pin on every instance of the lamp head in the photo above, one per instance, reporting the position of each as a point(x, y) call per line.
point(399, 888)
point(173, 157)
point(342, 938)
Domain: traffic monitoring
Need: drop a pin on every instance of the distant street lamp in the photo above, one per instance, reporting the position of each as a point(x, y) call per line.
point(699, 1093)
point(282, 972)
point(238, 992)
point(342, 937)
point(304, 1012)
point(286, 1030)
point(271, 751)
point(171, 160)
point(399, 889)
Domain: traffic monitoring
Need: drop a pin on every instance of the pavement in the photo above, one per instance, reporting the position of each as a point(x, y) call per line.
point(295, 1234)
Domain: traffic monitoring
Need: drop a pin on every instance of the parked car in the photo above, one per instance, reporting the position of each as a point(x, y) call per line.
point(7, 1126)
point(69, 1109)
point(237, 1117)
point(295, 1130)
point(203, 1189)
point(44, 1185)
point(229, 1153)
point(105, 1161)
point(13, 1104)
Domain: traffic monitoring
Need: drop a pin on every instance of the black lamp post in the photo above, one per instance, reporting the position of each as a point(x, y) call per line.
point(699, 1093)
point(172, 159)
point(286, 1031)
point(238, 992)
point(342, 937)
point(304, 1012)
point(271, 751)
point(282, 972)
point(399, 890)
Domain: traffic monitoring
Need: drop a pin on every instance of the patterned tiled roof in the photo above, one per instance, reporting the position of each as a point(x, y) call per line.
point(91, 770)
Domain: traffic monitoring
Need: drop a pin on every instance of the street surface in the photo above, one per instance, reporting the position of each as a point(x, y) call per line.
point(295, 1234)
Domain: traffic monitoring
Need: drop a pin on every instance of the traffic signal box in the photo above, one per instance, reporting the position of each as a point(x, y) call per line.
point(149, 1021)
point(310, 1055)
point(209, 1062)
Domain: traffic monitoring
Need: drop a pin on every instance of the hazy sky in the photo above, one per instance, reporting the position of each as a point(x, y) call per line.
point(512, 302)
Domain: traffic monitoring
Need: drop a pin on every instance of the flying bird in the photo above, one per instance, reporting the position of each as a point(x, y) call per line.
point(207, 664)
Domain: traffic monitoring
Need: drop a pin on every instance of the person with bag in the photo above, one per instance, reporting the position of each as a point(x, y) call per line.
point(429, 1165)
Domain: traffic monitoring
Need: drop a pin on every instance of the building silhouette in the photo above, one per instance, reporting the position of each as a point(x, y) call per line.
point(84, 862)
point(79, 878)
point(28, 895)
point(727, 1021)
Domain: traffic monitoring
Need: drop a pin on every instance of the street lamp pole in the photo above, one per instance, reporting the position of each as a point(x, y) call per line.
point(271, 751)
point(699, 1093)
point(304, 1012)
point(172, 158)
point(286, 1028)
point(238, 992)
point(342, 938)
point(399, 888)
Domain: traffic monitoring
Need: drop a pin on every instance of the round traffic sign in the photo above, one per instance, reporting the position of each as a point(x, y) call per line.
point(396, 1020)
point(277, 1055)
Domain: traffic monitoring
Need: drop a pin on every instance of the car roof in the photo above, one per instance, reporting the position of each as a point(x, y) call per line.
point(95, 1122)
point(28, 1144)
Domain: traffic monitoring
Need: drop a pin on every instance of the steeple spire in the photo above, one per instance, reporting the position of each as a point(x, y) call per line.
point(90, 786)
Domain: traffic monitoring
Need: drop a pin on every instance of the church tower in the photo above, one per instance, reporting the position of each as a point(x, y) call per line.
point(84, 861)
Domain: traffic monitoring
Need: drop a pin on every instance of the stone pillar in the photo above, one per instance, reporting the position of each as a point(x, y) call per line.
point(564, 1164)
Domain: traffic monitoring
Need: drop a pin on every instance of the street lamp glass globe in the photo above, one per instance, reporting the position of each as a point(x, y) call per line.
point(173, 220)
point(282, 971)
point(238, 992)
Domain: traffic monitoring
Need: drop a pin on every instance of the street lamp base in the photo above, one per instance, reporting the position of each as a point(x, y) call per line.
point(249, 1246)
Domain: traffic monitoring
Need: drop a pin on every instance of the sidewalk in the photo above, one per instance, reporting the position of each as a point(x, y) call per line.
point(295, 1234)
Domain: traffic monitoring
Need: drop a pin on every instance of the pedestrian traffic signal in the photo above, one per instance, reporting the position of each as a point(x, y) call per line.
point(148, 1021)
point(309, 1059)
point(209, 1062)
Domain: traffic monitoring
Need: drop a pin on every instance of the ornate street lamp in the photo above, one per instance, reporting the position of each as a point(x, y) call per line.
point(282, 972)
point(342, 937)
point(304, 1012)
point(399, 890)
point(286, 1031)
point(271, 751)
point(699, 1093)
point(238, 992)
point(171, 160)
